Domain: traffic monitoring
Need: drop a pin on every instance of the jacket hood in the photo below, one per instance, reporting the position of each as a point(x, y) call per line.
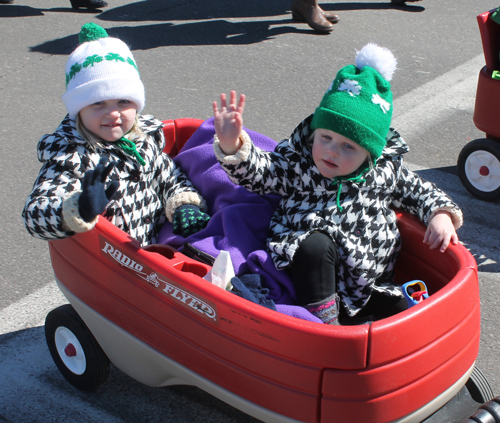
point(299, 142)
point(395, 145)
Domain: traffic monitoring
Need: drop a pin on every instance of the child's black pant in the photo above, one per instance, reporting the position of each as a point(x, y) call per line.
point(314, 276)
point(314, 269)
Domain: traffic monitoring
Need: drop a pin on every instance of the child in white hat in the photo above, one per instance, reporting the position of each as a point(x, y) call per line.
point(107, 159)
point(339, 174)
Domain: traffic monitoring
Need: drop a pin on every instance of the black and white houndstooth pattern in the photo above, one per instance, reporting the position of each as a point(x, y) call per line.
point(144, 194)
point(365, 230)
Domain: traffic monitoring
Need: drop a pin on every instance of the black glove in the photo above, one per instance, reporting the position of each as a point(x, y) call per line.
point(188, 220)
point(94, 199)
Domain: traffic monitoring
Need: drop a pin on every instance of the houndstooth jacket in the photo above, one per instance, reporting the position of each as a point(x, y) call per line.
point(356, 212)
point(146, 195)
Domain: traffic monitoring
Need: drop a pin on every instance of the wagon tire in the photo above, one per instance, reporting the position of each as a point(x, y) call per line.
point(479, 168)
point(75, 351)
point(486, 413)
point(479, 387)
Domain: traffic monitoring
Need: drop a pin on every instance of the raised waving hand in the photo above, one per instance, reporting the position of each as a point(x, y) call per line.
point(228, 122)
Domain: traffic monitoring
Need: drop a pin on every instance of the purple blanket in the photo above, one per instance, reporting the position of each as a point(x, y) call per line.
point(239, 218)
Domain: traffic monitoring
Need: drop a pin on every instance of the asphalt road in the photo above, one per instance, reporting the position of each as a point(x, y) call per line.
point(188, 51)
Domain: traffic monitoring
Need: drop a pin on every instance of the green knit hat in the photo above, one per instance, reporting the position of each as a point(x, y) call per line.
point(358, 103)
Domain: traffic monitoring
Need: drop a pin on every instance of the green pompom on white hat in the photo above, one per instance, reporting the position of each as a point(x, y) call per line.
point(101, 68)
point(358, 104)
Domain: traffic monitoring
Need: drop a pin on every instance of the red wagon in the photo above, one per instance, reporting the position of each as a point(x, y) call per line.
point(150, 312)
point(479, 161)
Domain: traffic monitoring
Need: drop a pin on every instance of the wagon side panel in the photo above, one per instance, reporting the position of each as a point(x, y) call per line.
point(396, 389)
point(265, 357)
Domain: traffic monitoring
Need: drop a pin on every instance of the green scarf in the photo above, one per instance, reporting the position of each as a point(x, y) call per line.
point(130, 148)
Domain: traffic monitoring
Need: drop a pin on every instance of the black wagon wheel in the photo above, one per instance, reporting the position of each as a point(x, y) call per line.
point(74, 349)
point(479, 168)
point(478, 386)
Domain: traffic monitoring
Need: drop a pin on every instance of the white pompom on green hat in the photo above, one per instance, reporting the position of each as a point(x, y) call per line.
point(101, 68)
point(358, 104)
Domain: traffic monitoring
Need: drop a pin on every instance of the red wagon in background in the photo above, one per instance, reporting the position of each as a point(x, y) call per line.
point(479, 161)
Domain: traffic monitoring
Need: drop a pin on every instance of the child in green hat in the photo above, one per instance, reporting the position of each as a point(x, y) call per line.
point(339, 174)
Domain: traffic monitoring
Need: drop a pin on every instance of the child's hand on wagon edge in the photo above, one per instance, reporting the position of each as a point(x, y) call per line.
point(440, 232)
point(228, 122)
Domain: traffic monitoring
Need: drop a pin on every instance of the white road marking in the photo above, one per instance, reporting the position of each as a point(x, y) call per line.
point(31, 310)
point(438, 99)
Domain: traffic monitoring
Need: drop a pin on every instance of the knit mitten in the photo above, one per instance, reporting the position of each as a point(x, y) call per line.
point(188, 220)
point(94, 197)
point(327, 310)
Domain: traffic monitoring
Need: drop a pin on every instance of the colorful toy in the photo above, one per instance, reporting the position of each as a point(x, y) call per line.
point(479, 161)
point(150, 312)
point(415, 292)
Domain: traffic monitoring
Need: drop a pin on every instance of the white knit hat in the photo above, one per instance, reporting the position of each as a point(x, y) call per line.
point(101, 68)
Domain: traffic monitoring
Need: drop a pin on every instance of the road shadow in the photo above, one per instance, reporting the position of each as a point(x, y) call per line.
point(381, 5)
point(214, 32)
point(201, 22)
point(19, 11)
point(178, 10)
point(22, 11)
point(33, 387)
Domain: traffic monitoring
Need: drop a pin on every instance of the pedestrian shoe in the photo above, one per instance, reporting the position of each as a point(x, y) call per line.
point(330, 16)
point(309, 11)
point(6, 1)
point(87, 4)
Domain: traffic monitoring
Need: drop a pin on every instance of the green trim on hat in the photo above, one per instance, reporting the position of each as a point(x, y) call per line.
point(91, 32)
point(95, 59)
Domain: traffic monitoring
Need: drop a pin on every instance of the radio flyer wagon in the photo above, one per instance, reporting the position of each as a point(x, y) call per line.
point(150, 312)
point(479, 161)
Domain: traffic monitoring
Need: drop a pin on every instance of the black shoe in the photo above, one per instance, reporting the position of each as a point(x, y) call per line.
point(87, 4)
point(6, 1)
